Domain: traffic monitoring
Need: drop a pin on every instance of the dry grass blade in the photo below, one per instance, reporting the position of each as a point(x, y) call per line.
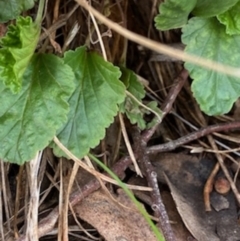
point(48, 193)
point(32, 220)
point(62, 212)
point(144, 106)
point(99, 36)
point(160, 48)
point(4, 200)
point(129, 147)
point(92, 171)
point(1, 217)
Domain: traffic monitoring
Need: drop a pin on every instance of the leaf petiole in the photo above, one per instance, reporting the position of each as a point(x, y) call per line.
point(40, 12)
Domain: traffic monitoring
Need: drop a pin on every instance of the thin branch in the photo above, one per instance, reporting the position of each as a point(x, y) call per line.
point(151, 175)
point(167, 104)
point(193, 136)
point(141, 143)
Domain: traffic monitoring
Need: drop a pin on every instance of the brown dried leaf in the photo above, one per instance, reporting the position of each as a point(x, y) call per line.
point(113, 221)
point(186, 176)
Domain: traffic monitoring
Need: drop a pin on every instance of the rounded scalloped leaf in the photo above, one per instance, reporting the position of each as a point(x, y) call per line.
point(231, 19)
point(173, 14)
point(93, 104)
point(206, 8)
point(29, 119)
point(12, 8)
point(18, 47)
point(205, 37)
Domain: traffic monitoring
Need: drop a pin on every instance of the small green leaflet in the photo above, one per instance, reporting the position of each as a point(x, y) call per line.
point(18, 46)
point(206, 8)
point(231, 19)
point(153, 105)
point(173, 14)
point(29, 119)
point(93, 104)
point(206, 37)
point(130, 107)
point(11, 9)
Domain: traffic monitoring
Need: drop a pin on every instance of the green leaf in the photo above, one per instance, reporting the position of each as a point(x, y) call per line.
point(11, 9)
point(18, 46)
point(29, 119)
point(215, 92)
point(93, 104)
point(231, 19)
point(130, 107)
point(153, 105)
point(133, 106)
point(132, 84)
point(206, 8)
point(173, 14)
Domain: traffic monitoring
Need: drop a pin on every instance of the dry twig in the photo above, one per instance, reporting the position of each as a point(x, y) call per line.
point(141, 143)
point(151, 175)
point(172, 145)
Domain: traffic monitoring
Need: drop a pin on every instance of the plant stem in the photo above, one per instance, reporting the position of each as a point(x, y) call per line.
point(38, 19)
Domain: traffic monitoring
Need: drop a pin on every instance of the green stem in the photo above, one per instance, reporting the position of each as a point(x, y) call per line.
point(40, 12)
point(132, 197)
